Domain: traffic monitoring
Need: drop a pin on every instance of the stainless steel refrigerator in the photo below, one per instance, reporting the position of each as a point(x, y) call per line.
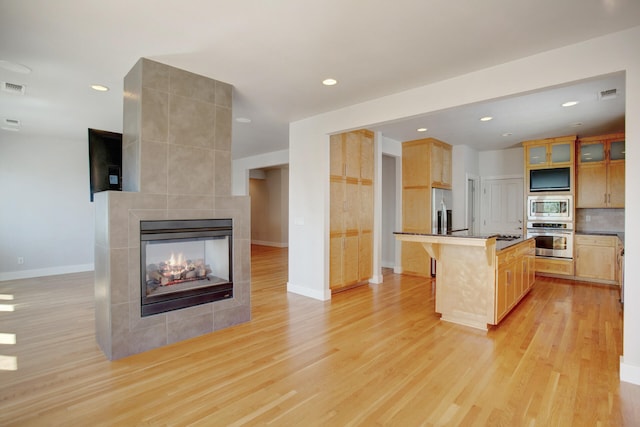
point(441, 202)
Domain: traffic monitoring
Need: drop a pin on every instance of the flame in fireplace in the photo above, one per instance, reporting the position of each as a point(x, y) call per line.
point(176, 263)
point(177, 269)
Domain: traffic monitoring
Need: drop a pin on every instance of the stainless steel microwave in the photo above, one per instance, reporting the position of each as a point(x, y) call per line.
point(556, 207)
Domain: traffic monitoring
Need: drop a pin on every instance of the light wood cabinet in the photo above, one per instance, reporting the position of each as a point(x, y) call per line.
point(596, 257)
point(554, 266)
point(440, 164)
point(600, 177)
point(426, 164)
point(515, 275)
point(416, 204)
point(549, 153)
point(351, 209)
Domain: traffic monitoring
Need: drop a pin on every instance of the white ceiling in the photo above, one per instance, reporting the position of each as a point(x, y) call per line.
point(277, 52)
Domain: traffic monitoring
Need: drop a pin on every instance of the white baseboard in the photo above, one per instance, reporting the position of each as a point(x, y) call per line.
point(397, 270)
point(376, 279)
point(273, 244)
point(306, 292)
point(41, 272)
point(629, 373)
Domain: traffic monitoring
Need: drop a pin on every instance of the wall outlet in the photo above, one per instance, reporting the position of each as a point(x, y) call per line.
point(587, 218)
point(20, 260)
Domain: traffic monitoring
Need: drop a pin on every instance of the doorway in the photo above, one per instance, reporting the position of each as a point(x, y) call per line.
point(472, 204)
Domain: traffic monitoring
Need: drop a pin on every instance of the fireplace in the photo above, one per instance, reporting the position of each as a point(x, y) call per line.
point(185, 263)
point(176, 177)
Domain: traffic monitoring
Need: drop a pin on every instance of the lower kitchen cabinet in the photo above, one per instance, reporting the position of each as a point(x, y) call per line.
point(554, 266)
point(596, 257)
point(515, 274)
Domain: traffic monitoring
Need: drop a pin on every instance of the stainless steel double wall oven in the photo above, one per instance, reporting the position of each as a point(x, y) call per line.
point(550, 222)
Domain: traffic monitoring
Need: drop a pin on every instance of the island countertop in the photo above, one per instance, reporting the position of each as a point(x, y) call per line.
point(480, 278)
point(474, 239)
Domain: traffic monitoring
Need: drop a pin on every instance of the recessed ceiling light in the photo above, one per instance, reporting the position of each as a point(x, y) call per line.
point(99, 88)
point(507, 134)
point(329, 82)
point(15, 67)
point(570, 103)
point(243, 120)
point(486, 118)
point(576, 124)
point(421, 129)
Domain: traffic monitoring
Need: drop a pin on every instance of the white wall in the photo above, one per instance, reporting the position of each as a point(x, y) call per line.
point(309, 153)
point(45, 213)
point(240, 169)
point(388, 211)
point(269, 191)
point(464, 164)
point(502, 163)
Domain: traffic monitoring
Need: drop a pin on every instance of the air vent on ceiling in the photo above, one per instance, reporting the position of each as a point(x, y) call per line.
point(13, 88)
point(10, 124)
point(607, 94)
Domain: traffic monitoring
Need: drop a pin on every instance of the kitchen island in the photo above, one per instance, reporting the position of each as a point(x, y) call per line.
point(479, 278)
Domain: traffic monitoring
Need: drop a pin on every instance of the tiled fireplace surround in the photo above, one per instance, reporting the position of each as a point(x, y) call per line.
point(176, 165)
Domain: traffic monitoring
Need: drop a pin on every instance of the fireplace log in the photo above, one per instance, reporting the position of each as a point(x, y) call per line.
point(155, 275)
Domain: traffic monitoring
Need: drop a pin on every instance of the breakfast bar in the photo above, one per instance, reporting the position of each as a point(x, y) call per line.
point(480, 278)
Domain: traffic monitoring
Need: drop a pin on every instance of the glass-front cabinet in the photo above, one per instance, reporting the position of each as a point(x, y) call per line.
point(601, 163)
point(549, 153)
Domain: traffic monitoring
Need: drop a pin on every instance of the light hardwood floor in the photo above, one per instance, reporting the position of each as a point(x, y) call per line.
point(374, 355)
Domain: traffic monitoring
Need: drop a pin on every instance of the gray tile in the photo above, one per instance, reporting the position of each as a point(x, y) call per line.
point(155, 75)
point(222, 177)
point(154, 124)
point(191, 85)
point(192, 122)
point(153, 167)
point(190, 170)
point(200, 202)
point(224, 94)
point(226, 318)
point(145, 339)
point(223, 126)
point(119, 275)
point(194, 326)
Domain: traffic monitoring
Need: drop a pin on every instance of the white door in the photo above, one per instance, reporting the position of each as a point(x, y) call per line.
point(502, 202)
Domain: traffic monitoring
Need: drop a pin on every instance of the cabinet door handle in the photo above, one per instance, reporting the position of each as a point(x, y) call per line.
point(508, 277)
point(609, 198)
point(605, 197)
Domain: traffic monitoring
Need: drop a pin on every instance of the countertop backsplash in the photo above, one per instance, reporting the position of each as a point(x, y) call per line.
point(600, 220)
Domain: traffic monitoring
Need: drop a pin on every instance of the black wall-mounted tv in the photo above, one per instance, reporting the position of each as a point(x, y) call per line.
point(105, 161)
point(555, 179)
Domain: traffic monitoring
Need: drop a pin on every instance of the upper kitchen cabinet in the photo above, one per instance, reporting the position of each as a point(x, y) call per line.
point(440, 164)
point(543, 155)
point(550, 152)
point(601, 163)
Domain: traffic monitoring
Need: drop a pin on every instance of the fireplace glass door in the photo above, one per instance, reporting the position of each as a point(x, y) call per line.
point(184, 263)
